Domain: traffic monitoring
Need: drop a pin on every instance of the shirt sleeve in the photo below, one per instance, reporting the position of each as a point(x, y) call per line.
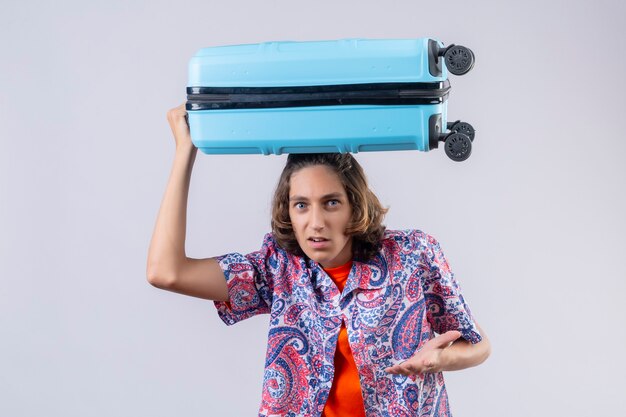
point(446, 307)
point(250, 283)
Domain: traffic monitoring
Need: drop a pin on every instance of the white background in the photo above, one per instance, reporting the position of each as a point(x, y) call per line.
point(532, 223)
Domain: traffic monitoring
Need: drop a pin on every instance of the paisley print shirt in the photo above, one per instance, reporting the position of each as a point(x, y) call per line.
point(391, 305)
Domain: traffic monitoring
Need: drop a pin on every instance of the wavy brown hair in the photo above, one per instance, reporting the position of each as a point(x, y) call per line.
point(365, 227)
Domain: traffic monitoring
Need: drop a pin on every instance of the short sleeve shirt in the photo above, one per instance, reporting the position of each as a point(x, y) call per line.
point(391, 306)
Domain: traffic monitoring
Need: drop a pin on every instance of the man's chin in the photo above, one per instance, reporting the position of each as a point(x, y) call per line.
point(322, 260)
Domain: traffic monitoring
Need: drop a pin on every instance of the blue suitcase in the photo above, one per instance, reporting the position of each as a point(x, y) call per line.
point(348, 95)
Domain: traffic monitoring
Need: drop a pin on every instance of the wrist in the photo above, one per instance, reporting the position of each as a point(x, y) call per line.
point(448, 358)
point(185, 143)
point(186, 149)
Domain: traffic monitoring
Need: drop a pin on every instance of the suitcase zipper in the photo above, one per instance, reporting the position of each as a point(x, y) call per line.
point(215, 98)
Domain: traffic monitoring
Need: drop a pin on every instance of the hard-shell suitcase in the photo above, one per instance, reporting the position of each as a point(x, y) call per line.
point(348, 95)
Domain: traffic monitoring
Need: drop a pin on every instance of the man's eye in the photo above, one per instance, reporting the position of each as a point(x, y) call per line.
point(299, 205)
point(333, 202)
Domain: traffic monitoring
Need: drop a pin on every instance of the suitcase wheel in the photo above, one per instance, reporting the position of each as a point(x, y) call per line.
point(458, 146)
point(463, 127)
point(459, 59)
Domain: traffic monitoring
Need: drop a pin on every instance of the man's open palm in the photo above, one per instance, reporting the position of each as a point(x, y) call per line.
point(428, 358)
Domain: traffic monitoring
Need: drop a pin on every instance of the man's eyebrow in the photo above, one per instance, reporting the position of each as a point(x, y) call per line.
point(324, 197)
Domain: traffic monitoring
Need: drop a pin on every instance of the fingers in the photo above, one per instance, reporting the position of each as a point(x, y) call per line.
point(401, 369)
point(411, 367)
point(408, 367)
point(428, 358)
point(176, 113)
point(396, 370)
point(178, 121)
point(443, 340)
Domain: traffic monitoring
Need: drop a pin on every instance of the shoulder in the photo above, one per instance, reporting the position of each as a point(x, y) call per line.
point(409, 238)
point(270, 245)
point(275, 256)
point(269, 241)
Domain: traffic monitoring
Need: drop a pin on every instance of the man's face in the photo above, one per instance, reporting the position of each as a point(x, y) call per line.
point(320, 212)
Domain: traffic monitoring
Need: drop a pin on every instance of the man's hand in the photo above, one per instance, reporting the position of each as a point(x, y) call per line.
point(177, 118)
point(428, 358)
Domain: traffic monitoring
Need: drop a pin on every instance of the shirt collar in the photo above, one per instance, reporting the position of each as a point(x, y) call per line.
point(364, 275)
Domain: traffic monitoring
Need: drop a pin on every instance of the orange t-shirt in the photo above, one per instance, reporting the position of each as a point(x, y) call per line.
point(345, 397)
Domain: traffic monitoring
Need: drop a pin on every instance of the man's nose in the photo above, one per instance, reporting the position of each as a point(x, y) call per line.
point(317, 218)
